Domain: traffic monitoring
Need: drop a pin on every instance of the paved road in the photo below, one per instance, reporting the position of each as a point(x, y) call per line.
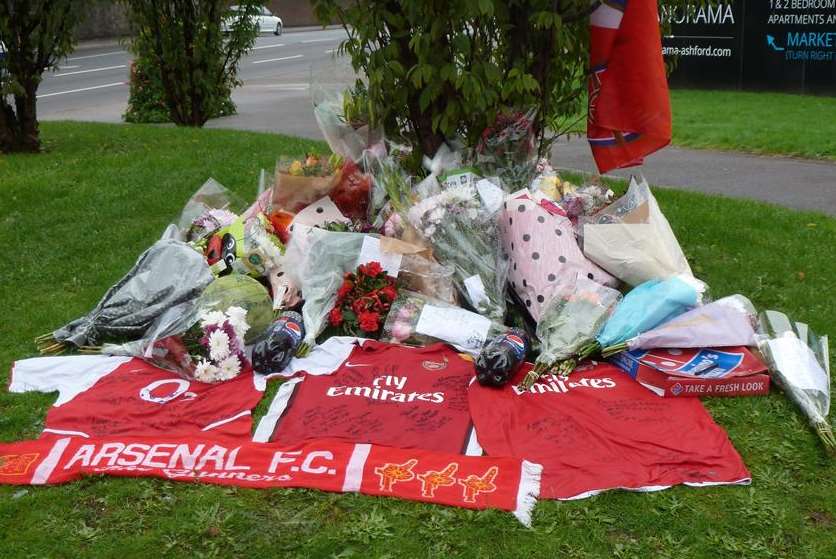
point(92, 85)
point(92, 82)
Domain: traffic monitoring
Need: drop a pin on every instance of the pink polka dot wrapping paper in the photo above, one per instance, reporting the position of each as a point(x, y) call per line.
point(542, 249)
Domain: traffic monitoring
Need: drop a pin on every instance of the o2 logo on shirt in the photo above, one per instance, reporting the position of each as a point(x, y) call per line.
point(181, 388)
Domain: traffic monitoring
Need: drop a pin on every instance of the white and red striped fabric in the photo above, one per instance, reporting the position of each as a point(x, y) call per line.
point(420, 475)
point(102, 396)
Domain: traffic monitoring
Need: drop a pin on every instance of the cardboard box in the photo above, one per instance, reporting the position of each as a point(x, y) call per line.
point(674, 373)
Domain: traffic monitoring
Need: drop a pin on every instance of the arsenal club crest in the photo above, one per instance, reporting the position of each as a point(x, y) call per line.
point(434, 365)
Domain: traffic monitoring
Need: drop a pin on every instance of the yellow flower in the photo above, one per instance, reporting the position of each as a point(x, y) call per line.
point(567, 187)
point(549, 187)
point(295, 169)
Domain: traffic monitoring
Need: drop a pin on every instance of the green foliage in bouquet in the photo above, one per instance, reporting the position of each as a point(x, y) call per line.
point(357, 108)
point(189, 53)
point(440, 70)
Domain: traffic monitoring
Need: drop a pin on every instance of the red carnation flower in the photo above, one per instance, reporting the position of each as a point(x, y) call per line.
point(369, 321)
point(335, 317)
point(373, 269)
point(358, 306)
point(389, 292)
point(344, 289)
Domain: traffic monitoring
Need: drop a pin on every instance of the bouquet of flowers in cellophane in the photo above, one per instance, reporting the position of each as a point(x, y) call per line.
point(799, 361)
point(466, 238)
point(204, 339)
point(419, 319)
point(642, 309)
point(167, 274)
point(632, 240)
point(299, 182)
point(575, 312)
point(507, 150)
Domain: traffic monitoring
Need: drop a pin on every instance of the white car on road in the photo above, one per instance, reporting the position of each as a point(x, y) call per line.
point(267, 22)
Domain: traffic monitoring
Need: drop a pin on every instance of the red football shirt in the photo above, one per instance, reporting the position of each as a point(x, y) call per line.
point(381, 394)
point(115, 396)
point(598, 429)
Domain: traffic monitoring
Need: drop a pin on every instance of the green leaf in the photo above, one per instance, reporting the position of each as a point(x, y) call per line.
point(425, 99)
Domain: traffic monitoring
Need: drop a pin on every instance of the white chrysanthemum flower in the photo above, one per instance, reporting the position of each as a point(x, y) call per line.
point(236, 313)
point(240, 328)
point(229, 367)
point(218, 345)
point(212, 318)
point(238, 320)
point(414, 216)
point(205, 371)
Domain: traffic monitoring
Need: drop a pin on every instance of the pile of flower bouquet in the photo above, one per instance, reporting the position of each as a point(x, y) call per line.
point(475, 242)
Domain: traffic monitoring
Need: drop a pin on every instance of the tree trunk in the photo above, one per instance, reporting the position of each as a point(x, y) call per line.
point(7, 123)
point(19, 126)
point(421, 121)
point(27, 113)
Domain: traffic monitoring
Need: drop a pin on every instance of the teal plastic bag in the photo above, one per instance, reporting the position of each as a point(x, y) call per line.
point(648, 305)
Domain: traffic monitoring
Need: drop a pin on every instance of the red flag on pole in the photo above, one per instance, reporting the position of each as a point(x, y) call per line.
point(629, 106)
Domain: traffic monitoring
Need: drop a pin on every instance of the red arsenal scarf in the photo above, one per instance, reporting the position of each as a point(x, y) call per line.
point(418, 475)
point(629, 107)
point(598, 429)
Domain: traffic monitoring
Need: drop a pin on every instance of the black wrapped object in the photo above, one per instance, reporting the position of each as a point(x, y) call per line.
point(167, 274)
point(501, 357)
point(282, 340)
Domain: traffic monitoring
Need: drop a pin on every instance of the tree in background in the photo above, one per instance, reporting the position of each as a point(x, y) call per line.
point(186, 55)
point(441, 69)
point(36, 34)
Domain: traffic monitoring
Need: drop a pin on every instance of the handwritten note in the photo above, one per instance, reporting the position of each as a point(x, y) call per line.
point(455, 326)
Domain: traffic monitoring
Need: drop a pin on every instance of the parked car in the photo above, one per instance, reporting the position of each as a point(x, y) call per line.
point(267, 22)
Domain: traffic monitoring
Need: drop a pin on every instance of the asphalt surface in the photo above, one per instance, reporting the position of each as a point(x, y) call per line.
point(92, 83)
point(276, 97)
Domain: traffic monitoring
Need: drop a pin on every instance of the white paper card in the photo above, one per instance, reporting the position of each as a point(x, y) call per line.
point(370, 252)
point(798, 364)
point(319, 213)
point(491, 195)
point(476, 290)
point(455, 326)
point(461, 178)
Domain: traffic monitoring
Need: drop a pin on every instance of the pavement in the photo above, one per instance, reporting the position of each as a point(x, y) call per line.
point(91, 85)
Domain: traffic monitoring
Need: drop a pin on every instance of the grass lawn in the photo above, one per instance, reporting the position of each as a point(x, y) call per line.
point(768, 123)
point(74, 219)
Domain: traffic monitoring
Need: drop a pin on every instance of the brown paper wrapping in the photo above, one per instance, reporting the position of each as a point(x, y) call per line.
point(293, 193)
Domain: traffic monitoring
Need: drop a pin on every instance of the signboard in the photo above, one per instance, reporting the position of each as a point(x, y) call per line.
point(782, 45)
